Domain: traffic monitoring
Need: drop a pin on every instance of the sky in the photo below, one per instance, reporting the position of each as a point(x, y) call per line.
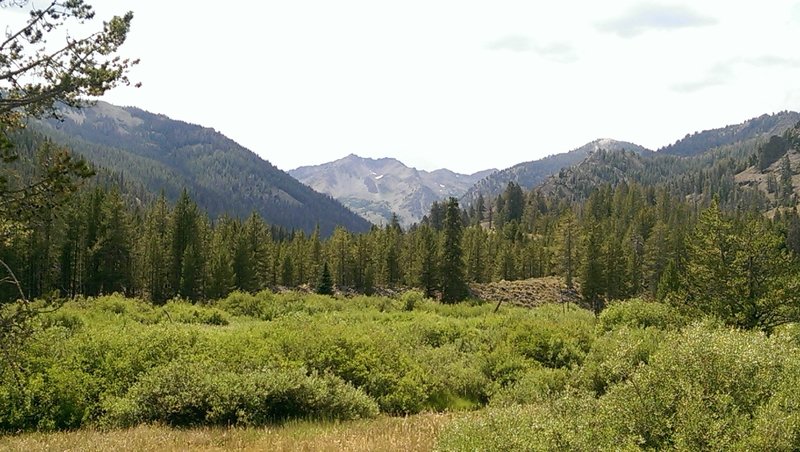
point(461, 84)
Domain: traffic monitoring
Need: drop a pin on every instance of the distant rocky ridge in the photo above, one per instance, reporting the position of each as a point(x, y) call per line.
point(377, 188)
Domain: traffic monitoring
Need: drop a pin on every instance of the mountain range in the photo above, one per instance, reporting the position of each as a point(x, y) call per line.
point(376, 189)
point(157, 153)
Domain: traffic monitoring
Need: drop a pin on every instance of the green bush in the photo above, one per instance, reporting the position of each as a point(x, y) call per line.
point(566, 423)
point(245, 304)
point(776, 425)
point(186, 394)
point(411, 298)
point(68, 320)
point(535, 386)
point(636, 313)
point(185, 312)
point(549, 344)
point(700, 390)
point(616, 355)
point(704, 388)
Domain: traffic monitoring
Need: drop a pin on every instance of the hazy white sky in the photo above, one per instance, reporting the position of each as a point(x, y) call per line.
point(466, 85)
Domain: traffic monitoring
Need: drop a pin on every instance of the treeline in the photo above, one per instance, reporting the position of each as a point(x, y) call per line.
point(622, 241)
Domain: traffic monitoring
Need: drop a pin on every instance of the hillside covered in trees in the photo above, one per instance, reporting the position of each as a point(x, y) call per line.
point(161, 154)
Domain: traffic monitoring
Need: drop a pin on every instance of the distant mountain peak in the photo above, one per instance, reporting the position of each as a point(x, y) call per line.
point(376, 188)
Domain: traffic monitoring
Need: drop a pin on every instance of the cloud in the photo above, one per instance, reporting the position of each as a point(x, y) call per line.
point(796, 12)
point(560, 52)
point(651, 16)
point(772, 61)
point(724, 71)
point(514, 43)
point(719, 74)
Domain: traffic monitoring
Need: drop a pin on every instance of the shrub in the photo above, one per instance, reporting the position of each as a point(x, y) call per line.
point(185, 394)
point(184, 312)
point(535, 386)
point(245, 304)
point(636, 313)
point(705, 388)
point(616, 355)
point(700, 390)
point(566, 423)
point(62, 319)
point(410, 299)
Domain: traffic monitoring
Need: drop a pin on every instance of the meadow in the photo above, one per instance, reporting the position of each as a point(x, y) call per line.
point(296, 371)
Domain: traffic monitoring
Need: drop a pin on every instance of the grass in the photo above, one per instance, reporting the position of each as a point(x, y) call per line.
point(412, 433)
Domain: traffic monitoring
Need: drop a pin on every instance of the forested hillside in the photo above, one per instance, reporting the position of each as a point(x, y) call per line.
point(530, 174)
point(744, 175)
point(761, 127)
point(159, 153)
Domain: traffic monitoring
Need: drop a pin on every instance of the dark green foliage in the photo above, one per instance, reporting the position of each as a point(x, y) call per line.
point(739, 272)
point(325, 285)
point(772, 151)
point(786, 189)
point(454, 287)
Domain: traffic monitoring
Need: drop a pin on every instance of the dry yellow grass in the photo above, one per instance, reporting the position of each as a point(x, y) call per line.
point(413, 433)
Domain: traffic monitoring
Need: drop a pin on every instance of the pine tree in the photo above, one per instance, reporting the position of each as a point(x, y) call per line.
point(183, 233)
point(339, 254)
point(426, 252)
point(113, 250)
point(513, 202)
point(786, 191)
point(592, 275)
point(567, 247)
point(711, 252)
point(221, 278)
point(454, 288)
point(153, 251)
point(475, 254)
point(325, 285)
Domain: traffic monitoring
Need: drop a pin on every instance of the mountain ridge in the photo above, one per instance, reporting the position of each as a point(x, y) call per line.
point(377, 188)
point(531, 173)
point(222, 176)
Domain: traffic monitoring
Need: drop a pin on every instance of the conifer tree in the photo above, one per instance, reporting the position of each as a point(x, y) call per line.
point(454, 288)
point(325, 284)
point(153, 252)
point(113, 249)
point(566, 243)
point(426, 252)
point(592, 275)
point(221, 278)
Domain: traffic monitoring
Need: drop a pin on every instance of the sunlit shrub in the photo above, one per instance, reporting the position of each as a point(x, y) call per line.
point(186, 393)
point(636, 313)
point(616, 355)
point(535, 386)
